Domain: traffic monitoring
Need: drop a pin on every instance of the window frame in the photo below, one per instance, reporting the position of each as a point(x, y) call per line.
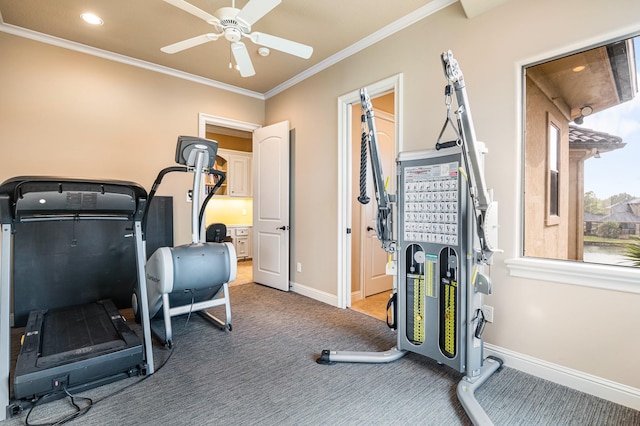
point(591, 275)
point(553, 218)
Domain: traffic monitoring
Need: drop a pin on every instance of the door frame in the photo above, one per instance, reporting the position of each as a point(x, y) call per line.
point(367, 239)
point(204, 119)
point(345, 102)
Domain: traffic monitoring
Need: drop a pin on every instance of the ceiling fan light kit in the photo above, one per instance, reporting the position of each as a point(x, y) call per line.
point(235, 24)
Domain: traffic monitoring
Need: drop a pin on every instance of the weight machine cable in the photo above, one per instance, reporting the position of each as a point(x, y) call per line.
point(363, 198)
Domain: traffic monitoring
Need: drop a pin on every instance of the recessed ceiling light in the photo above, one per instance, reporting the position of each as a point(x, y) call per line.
point(92, 19)
point(578, 68)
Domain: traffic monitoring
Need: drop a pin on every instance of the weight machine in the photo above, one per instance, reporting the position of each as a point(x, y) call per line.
point(447, 233)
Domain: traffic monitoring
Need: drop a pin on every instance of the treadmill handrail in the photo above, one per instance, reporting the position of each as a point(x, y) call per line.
point(18, 187)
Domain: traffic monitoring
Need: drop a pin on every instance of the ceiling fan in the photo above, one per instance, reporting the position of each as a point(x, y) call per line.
point(235, 24)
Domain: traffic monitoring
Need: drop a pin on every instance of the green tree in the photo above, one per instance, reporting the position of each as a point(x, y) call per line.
point(632, 253)
point(609, 230)
point(619, 198)
point(592, 204)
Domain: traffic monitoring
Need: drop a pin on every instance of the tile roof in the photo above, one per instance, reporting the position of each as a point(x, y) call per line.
point(622, 212)
point(582, 138)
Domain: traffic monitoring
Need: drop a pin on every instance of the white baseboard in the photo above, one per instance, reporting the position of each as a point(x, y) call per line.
point(583, 382)
point(321, 296)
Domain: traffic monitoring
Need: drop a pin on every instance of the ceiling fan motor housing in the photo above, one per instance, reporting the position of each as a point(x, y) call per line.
point(232, 28)
point(232, 34)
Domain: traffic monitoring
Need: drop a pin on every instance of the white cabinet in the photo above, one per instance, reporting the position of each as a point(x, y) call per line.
point(237, 165)
point(241, 241)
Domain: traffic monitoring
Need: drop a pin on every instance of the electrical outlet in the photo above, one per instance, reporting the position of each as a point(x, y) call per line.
point(190, 196)
point(488, 312)
point(299, 267)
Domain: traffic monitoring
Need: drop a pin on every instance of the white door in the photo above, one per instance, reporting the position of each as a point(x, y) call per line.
point(374, 258)
point(271, 206)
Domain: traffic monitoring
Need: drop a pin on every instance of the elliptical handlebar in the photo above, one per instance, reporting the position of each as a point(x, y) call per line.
point(198, 156)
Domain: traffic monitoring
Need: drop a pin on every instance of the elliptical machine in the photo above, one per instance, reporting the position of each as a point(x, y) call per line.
point(191, 277)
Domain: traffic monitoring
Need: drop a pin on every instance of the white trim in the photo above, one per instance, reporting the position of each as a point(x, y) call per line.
point(104, 54)
point(606, 277)
point(398, 25)
point(390, 84)
point(314, 293)
point(204, 119)
point(583, 382)
point(356, 295)
point(344, 207)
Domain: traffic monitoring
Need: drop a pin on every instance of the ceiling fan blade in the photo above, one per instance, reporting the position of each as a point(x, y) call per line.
point(287, 46)
point(189, 8)
point(189, 43)
point(241, 55)
point(256, 9)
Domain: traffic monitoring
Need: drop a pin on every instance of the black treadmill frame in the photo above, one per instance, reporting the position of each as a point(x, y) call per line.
point(24, 199)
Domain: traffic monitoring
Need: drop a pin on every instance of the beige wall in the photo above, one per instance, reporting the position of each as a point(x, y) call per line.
point(64, 113)
point(573, 326)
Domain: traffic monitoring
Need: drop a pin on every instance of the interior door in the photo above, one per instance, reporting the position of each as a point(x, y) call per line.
point(271, 206)
point(374, 258)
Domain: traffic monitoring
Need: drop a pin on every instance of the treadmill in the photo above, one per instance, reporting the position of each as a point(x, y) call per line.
point(76, 252)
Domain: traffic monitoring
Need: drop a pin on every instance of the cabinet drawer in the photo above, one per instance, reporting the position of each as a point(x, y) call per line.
point(242, 232)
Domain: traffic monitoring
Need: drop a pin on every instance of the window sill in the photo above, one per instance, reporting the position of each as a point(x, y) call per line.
point(616, 278)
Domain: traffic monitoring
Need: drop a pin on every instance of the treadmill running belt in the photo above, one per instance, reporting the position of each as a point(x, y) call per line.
point(73, 331)
point(77, 348)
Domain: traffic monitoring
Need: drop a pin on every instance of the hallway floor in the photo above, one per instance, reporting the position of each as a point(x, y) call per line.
point(244, 274)
point(374, 306)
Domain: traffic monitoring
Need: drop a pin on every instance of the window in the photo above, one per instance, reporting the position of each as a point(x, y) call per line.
point(581, 155)
point(553, 177)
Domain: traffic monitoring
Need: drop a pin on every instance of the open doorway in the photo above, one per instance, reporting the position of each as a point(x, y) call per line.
point(267, 240)
point(371, 287)
point(355, 262)
point(235, 208)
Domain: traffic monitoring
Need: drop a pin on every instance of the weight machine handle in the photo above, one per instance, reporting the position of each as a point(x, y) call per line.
point(450, 144)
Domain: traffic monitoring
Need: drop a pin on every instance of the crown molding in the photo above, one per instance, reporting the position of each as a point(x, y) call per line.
point(398, 25)
point(104, 54)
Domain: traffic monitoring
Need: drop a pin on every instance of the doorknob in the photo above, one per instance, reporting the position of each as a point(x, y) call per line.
point(282, 228)
point(369, 228)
